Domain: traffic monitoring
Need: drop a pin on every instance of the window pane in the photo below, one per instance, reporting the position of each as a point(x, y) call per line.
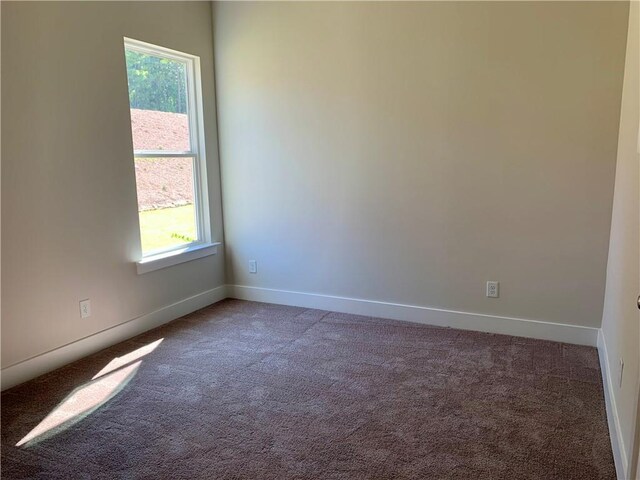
point(165, 202)
point(158, 101)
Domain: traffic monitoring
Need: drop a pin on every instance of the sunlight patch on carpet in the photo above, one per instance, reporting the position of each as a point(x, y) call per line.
point(89, 397)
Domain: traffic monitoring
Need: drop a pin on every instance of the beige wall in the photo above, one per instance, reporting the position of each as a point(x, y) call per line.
point(69, 211)
point(620, 322)
point(409, 152)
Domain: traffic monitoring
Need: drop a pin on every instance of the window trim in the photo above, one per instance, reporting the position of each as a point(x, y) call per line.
point(174, 257)
point(195, 116)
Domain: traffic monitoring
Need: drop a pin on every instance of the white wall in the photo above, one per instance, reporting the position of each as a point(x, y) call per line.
point(620, 322)
point(69, 209)
point(409, 152)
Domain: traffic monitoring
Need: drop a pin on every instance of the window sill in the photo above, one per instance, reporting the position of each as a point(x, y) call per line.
point(168, 259)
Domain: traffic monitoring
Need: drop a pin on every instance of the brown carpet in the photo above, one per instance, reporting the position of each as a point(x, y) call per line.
point(244, 390)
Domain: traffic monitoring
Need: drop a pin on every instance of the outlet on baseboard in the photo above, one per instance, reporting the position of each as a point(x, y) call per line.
point(493, 289)
point(620, 370)
point(85, 308)
point(253, 266)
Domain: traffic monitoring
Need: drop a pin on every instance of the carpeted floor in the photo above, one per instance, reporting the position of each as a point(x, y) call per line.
point(244, 390)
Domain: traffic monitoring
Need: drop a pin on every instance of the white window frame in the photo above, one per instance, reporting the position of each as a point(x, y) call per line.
point(204, 245)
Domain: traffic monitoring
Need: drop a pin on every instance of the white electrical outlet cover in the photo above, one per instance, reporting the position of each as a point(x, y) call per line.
point(85, 308)
point(493, 289)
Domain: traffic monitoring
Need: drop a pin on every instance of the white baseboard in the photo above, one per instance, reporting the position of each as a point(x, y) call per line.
point(519, 327)
point(615, 432)
point(46, 362)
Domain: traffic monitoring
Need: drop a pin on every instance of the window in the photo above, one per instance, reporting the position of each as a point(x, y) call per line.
point(168, 152)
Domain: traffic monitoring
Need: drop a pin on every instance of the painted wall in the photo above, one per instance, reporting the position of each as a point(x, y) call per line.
point(69, 210)
point(621, 319)
point(409, 152)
